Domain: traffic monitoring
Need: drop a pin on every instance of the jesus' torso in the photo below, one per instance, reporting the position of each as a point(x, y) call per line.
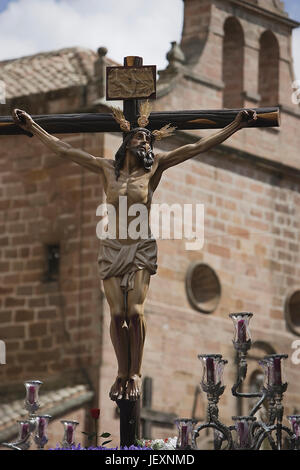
point(136, 186)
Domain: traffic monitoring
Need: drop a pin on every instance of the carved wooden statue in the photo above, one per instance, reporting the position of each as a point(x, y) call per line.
point(126, 264)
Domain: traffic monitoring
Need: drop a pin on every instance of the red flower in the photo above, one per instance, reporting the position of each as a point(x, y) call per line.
point(95, 413)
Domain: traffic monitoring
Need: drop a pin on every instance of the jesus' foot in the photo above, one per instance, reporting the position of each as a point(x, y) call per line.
point(118, 388)
point(133, 389)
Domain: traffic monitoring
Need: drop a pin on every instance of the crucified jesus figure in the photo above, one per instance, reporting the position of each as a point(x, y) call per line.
point(125, 264)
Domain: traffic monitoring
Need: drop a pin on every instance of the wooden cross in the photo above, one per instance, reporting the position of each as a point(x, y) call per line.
point(104, 122)
point(138, 82)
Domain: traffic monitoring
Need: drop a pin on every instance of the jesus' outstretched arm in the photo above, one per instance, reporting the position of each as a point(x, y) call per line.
point(63, 149)
point(179, 155)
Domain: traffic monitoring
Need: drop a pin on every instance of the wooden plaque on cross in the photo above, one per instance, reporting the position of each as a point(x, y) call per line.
point(132, 81)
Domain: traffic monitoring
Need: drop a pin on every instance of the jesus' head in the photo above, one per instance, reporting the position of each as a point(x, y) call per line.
point(139, 142)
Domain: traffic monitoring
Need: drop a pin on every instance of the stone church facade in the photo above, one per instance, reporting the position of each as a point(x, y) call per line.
point(54, 317)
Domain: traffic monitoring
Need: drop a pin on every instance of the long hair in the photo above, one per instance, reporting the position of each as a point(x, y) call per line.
point(121, 152)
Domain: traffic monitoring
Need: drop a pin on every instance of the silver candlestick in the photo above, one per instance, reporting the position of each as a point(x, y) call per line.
point(35, 424)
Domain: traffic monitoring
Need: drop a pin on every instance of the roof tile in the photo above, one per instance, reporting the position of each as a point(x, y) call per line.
point(47, 71)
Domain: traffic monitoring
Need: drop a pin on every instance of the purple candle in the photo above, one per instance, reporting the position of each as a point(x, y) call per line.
point(42, 427)
point(295, 426)
point(69, 434)
point(277, 371)
point(241, 331)
point(24, 430)
point(243, 432)
point(210, 369)
point(184, 437)
point(31, 394)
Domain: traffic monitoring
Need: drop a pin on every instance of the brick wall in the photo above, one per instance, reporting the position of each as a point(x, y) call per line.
point(48, 327)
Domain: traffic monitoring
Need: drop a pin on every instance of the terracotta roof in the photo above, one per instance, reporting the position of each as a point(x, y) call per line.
point(46, 71)
point(54, 403)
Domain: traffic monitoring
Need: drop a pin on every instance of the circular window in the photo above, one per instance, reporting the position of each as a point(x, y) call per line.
point(203, 287)
point(292, 312)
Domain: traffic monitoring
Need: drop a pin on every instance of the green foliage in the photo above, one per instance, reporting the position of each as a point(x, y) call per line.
point(93, 435)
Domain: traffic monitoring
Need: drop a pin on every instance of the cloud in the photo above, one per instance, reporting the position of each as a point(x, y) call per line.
point(137, 27)
point(133, 27)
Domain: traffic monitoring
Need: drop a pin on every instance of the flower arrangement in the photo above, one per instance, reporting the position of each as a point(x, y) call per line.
point(79, 447)
point(141, 444)
point(158, 444)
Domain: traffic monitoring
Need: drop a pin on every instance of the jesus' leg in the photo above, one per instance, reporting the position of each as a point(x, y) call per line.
point(118, 334)
point(137, 332)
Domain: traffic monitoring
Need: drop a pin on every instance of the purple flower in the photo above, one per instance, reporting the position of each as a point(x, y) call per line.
point(78, 447)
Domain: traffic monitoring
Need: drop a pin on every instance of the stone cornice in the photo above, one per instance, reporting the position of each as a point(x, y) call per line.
point(189, 75)
point(267, 13)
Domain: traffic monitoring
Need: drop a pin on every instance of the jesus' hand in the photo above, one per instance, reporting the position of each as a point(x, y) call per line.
point(22, 119)
point(246, 117)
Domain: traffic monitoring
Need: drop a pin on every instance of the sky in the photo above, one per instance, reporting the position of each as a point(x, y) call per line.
point(131, 27)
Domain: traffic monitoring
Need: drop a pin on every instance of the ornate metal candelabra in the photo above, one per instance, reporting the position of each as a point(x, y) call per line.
point(247, 432)
point(36, 426)
point(250, 432)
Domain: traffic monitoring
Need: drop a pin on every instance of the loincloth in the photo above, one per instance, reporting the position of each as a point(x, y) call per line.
point(118, 260)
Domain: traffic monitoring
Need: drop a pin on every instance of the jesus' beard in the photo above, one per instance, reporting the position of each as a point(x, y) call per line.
point(145, 158)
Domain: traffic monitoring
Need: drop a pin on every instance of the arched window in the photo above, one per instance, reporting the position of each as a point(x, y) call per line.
point(233, 64)
point(268, 87)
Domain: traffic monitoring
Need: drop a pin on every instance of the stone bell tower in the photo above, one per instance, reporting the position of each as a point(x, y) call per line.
point(235, 54)
point(241, 49)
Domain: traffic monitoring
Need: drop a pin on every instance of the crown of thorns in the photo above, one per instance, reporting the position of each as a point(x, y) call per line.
point(143, 121)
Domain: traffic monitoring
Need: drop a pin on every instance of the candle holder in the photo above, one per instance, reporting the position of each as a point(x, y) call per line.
point(185, 440)
point(295, 425)
point(212, 378)
point(32, 395)
point(69, 433)
point(34, 424)
point(244, 430)
point(273, 381)
point(242, 336)
point(38, 424)
point(250, 431)
point(212, 384)
point(23, 441)
point(242, 343)
point(41, 436)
